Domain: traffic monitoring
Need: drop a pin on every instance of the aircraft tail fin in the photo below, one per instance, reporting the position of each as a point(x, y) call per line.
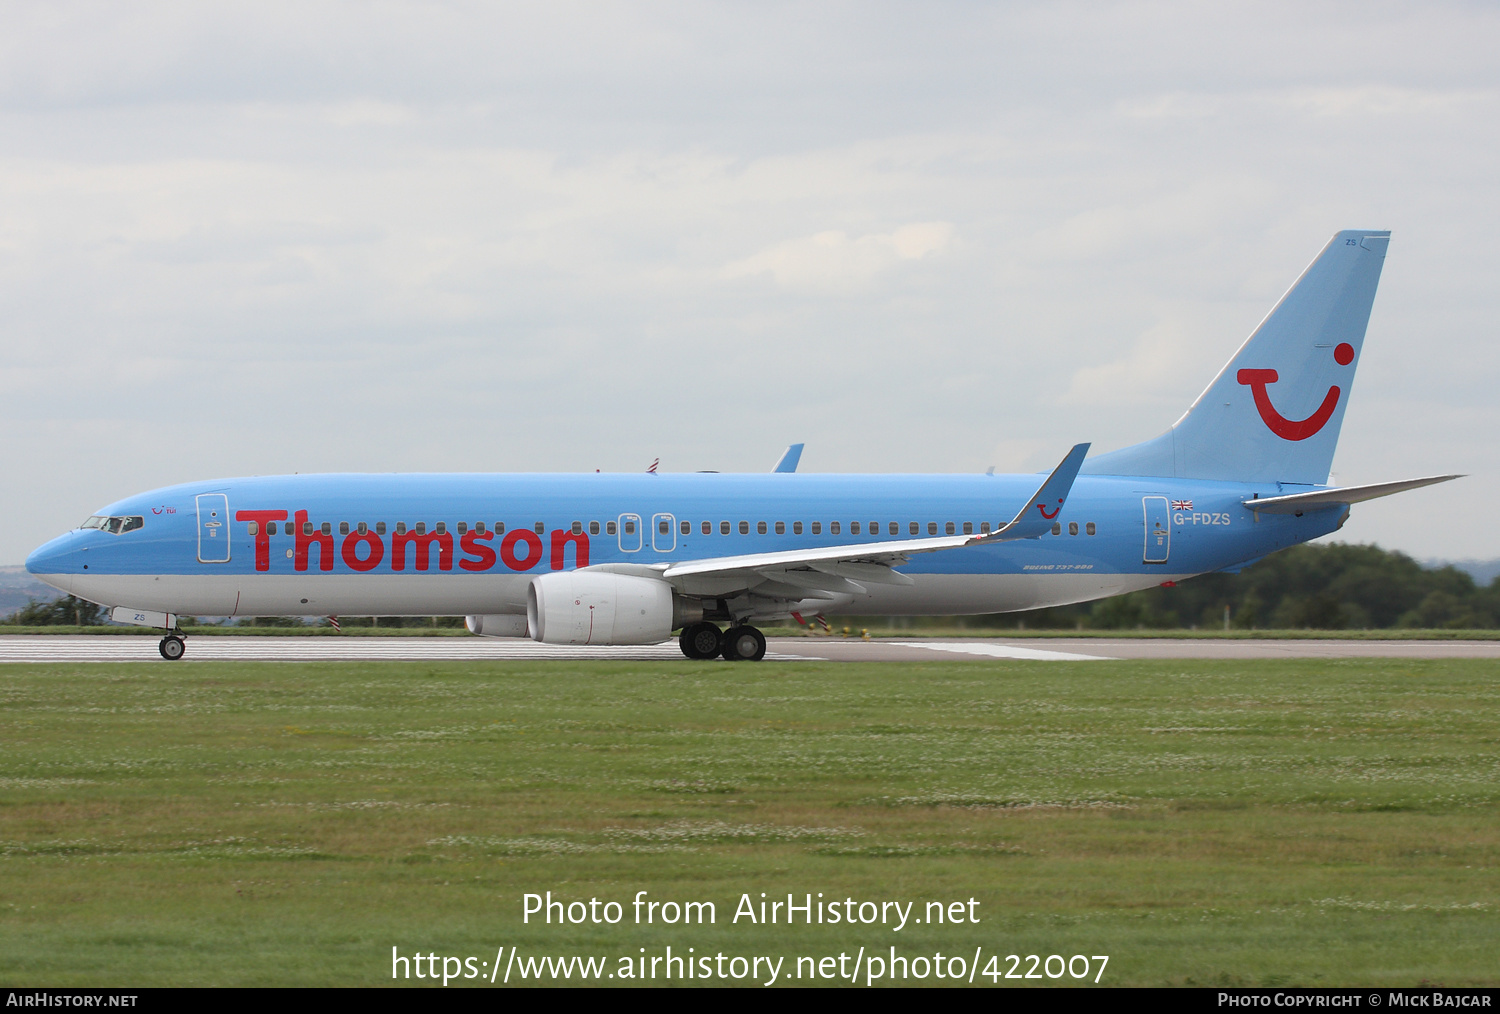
point(1273, 413)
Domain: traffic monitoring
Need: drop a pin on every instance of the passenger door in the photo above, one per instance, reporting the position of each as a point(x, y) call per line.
point(213, 528)
point(1158, 529)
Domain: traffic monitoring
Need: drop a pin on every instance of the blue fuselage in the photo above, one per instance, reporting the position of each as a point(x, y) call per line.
point(468, 543)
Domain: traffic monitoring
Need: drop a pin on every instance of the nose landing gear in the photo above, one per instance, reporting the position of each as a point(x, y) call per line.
point(172, 647)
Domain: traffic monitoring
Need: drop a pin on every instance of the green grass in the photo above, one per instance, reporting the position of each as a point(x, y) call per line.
point(1301, 822)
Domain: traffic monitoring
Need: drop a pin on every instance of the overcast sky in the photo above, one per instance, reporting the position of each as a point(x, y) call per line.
point(923, 237)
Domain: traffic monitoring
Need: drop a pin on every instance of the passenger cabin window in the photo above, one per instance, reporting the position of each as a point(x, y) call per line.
point(593, 528)
point(630, 528)
point(479, 527)
point(914, 529)
point(343, 528)
point(254, 527)
point(400, 527)
point(894, 529)
point(326, 528)
point(948, 528)
point(817, 528)
point(307, 528)
point(1089, 528)
point(441, 528)
point(932, 528)
point(609, 528)
point(796, 528)
point(541, 528)
point(781, 528)
point(270, 528)
point(744, 528)
point(968, 528)
point(362, 529)
point(380, 528)
point(421, 528)
point(723, 527)
point(578, 528)
point(708, 528)
point(686, 527)
point(1057, 528)
point(463, 528)
point(760, 528)
point(499, 527)
point(664, 527)
point(984, 528)
point(833, 528)
point(1072, 527)
point(854, 528)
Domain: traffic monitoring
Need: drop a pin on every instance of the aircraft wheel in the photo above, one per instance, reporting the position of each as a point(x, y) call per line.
point(172, 647)
point(744, 644)
point(700, 640)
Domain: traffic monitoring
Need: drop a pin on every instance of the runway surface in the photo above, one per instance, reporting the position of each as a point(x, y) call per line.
point(44, 648)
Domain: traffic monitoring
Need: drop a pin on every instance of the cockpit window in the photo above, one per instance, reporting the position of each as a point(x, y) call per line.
point(116, 525)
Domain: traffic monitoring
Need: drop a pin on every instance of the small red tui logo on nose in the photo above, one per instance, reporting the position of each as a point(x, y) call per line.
point(1293, 429)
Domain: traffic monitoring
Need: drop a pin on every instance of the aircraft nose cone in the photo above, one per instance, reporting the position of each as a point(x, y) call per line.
point(54, 562)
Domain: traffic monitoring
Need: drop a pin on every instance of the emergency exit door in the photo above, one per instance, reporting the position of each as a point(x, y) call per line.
point(1158, 529)
point(213, 528)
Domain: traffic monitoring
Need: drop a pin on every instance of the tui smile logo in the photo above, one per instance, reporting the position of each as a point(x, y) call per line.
point(1293, 429)
point(1043, 508)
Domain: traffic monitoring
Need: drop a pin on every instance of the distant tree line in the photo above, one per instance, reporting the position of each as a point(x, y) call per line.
point(63, 612)
point(1336, 586)
point(1324, 587)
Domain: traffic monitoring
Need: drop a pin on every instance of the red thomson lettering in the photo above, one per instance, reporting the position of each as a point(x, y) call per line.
point(262, 537)
point(560, 538)
point(533, 549)
point(470, 543)
point(422, 553)
point(351, 550)
point(304, 540)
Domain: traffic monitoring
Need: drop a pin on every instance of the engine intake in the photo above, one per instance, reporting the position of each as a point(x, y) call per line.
point(599, 607)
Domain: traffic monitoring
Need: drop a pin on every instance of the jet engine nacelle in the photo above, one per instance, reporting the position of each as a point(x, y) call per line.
point(497, 625)
point(599, 607)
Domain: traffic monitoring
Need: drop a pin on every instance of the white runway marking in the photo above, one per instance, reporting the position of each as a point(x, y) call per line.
point(1003, 651)
point(326, 649)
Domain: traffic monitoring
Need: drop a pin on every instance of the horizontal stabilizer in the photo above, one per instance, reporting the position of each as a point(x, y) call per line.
point(1298, 503)
point(789, 459)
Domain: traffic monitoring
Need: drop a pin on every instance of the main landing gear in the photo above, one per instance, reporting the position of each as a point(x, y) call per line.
point(737, 644)
point(172, 647)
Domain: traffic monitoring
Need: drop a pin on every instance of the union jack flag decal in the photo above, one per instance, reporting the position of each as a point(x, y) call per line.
point(1182, 505)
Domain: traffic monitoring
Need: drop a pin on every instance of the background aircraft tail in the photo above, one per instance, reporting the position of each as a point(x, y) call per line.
point(1273, 413)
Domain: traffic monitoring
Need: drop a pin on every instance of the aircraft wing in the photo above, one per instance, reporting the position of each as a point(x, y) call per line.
point(1298, 503)
point(789, 459)
point(835, 568)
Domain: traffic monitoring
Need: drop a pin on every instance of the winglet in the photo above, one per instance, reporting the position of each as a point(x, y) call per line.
point(1036, 517)
point(789, 459)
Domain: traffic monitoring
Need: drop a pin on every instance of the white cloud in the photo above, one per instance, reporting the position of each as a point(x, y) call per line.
point(833, 261)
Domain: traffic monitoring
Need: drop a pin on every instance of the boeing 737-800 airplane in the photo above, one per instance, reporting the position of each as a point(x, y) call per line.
point(628, 559)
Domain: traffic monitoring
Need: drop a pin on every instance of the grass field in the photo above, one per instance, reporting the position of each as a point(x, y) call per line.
point(1252, 823)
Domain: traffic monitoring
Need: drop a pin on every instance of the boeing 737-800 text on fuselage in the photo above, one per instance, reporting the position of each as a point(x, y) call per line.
point(628, 559)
